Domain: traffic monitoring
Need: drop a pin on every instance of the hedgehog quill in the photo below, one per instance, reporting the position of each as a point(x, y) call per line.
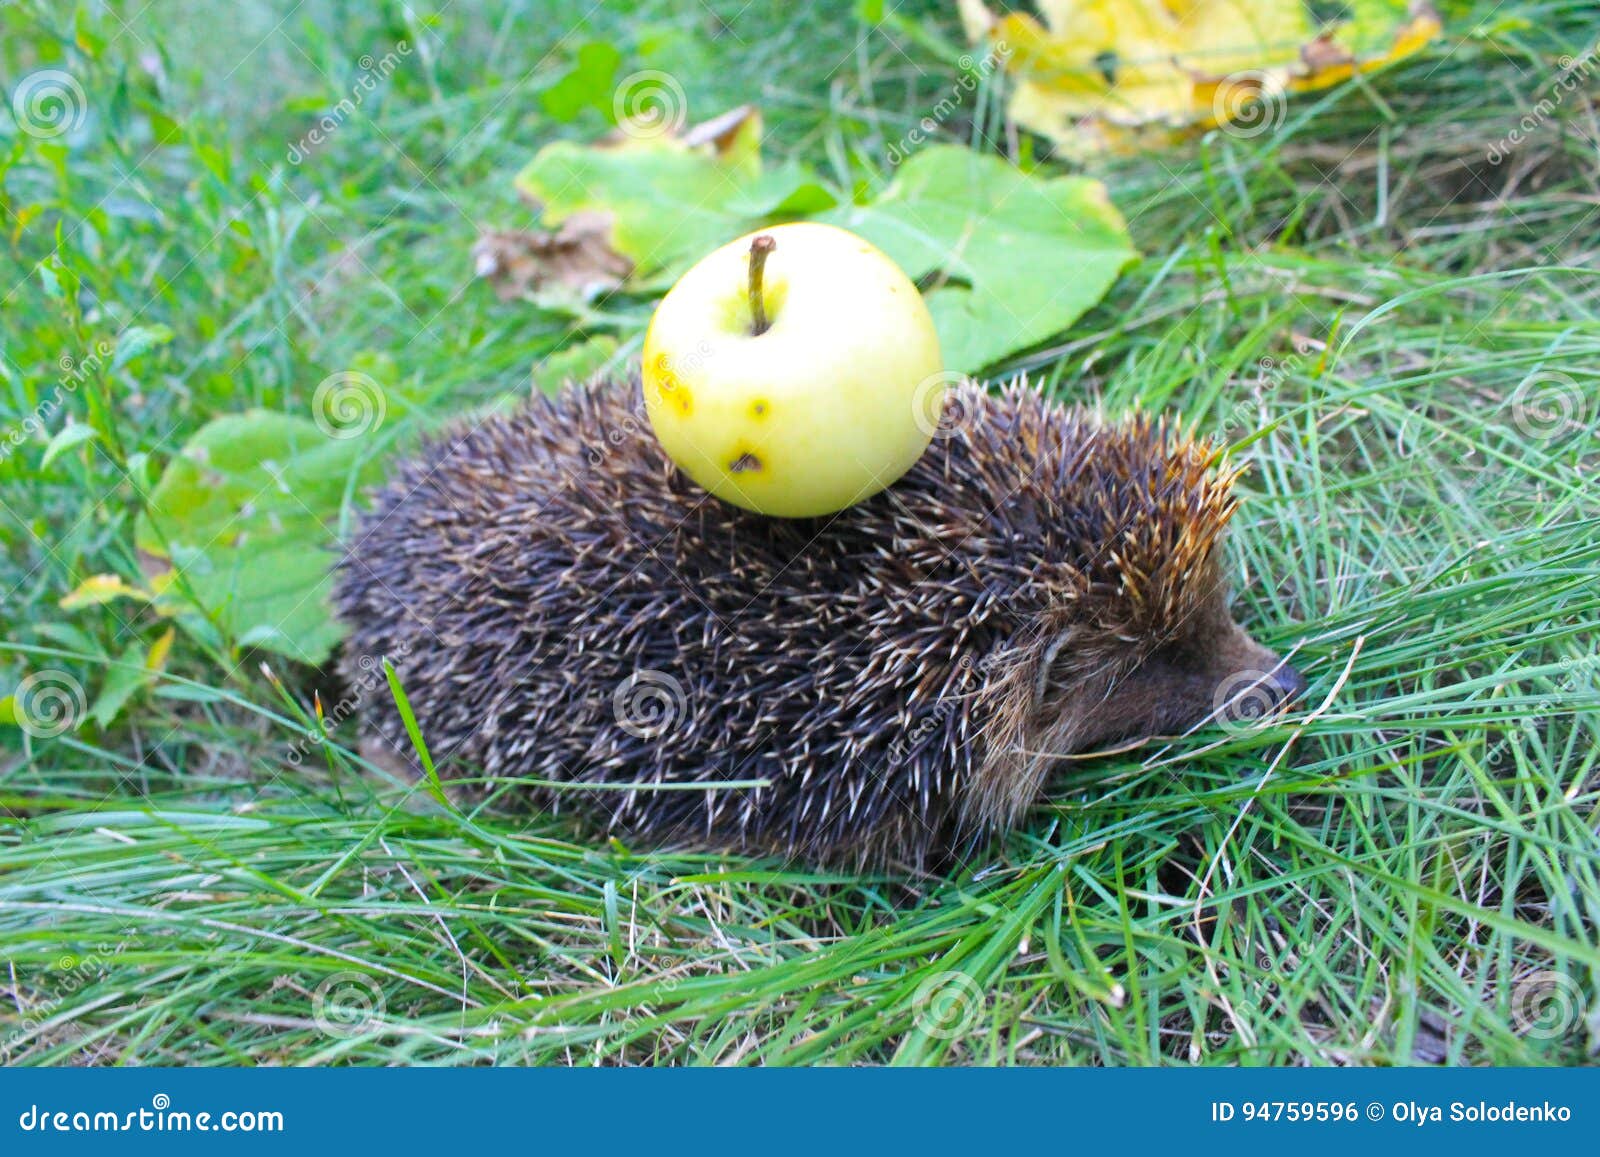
point(890, 685)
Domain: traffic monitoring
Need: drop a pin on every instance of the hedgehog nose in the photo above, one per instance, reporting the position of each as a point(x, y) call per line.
point(1286, 683)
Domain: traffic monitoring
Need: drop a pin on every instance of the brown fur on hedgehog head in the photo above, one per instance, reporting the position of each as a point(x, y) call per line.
point(886, 685)
point(1137, 640)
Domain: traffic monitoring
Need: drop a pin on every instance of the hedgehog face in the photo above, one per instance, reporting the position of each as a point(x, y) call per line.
point(1145, 645)
point(1200, 666)
point(1219, 674)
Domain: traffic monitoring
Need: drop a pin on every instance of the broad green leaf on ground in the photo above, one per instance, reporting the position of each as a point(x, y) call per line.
point(245, 515)
point(575, 363)
point(1019, 257)
point(1013, 258)
point(1118, 75)
point(671, 198)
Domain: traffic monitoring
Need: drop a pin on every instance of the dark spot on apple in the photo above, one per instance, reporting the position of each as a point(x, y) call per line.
point(759, 409)
point(746, 463)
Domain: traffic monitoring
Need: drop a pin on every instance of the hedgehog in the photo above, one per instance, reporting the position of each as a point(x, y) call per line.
point(576, 625)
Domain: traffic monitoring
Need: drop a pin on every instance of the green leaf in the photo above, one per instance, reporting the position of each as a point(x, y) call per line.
point(69, 436)
point(136, 340)
point(49, 279)
point(246, 514)
point(670, 202)
point(1021, 257)
point(590, 83)
point(1013, 258)
point(574, 363)
point(123, 678)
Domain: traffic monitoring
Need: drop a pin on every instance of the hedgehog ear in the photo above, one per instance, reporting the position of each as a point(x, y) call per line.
point(1019, 682)
point(1114, 698)
point(1044, 674)
point(1071, 657)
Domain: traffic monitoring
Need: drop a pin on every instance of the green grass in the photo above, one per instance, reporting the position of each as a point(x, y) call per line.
point(1359, 302)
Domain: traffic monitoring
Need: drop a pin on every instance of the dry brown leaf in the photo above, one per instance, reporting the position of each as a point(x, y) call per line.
point(728, 133)
point(1116, 75)
point(575, 260)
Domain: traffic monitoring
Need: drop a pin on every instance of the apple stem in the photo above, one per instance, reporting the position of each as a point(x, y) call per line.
point(760, 247)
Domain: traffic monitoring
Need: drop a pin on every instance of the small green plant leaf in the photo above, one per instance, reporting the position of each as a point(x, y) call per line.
point(69, 436)
point(672, 199)
point(124, 677)
point(574, 363)
point(590, 83)
point(1013, 259)
point(137, 340)
point(246, 514)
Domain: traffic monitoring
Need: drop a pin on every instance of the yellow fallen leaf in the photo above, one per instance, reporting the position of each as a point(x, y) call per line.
point(101, 588)
point(155, 659)
point(1114, 75)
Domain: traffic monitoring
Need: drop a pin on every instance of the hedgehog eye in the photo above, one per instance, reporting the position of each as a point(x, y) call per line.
point(1180, 657)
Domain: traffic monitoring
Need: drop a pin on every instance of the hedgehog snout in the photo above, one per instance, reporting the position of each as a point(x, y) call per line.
point(1287, 682)
point(1249, 661)
point(1250, 680)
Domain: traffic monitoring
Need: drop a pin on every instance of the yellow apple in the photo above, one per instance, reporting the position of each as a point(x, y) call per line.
point(794, 372)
